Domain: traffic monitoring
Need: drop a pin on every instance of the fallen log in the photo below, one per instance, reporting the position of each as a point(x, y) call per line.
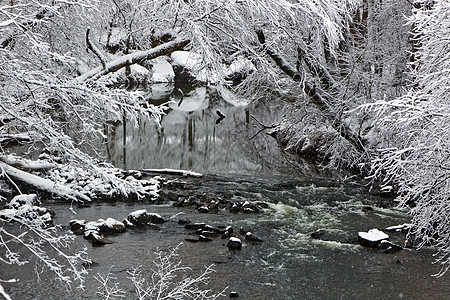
point(133, 58)
point(173, 172)
point(43, 184)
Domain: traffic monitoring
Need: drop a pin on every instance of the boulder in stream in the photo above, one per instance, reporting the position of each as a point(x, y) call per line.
point(140, 218)
point(77, 226)
point(111, 225)
point(372, 238)
point(234, 244)
point(389, 247)
point(252, 238)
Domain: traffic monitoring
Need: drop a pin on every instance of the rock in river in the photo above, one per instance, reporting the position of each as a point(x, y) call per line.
point(372, 238)
point(252, 238)
point(234, 244)
point(140, 218)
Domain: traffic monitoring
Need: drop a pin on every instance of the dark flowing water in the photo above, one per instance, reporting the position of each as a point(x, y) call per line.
point(289, 264)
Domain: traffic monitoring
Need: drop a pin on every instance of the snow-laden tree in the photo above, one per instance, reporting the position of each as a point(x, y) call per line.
point(416, 155)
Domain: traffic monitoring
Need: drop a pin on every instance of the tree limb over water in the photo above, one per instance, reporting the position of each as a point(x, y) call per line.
point(134, 58)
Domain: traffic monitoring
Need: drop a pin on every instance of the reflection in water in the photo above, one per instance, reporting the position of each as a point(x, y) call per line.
point(190, 136)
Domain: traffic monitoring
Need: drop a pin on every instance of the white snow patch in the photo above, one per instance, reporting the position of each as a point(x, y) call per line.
point(240, 65)
point(193, 62)
point(186, 59)
point(403, 226)
point(19, 200)
point(110, 222)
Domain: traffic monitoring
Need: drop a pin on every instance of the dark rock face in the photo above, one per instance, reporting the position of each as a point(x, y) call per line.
point(183, 75)
point(318, 234)
point(195, 226)
point(77, 226)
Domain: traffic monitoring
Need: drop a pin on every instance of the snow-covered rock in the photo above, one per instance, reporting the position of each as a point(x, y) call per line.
point(138, 75)
point(189, 67)
point(141, 218)
point(389, 247)
point(252, 238)
point(19, 200)
point(238, 70)
point(372, 238)
point(111, 225)
point(77, 226)
point(234, 244)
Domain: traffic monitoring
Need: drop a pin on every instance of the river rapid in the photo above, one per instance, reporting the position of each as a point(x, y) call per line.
point(290, 263)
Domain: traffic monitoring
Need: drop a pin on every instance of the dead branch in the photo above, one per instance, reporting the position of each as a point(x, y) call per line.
point(263, 126)
point(94, 49)
point(173, 172)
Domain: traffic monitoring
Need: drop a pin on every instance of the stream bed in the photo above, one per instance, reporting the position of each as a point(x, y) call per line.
point(290, 263)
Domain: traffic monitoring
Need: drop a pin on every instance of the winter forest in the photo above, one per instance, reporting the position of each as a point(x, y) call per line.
point(365, 91)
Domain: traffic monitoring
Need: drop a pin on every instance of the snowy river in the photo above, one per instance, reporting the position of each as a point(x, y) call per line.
point(290, 263)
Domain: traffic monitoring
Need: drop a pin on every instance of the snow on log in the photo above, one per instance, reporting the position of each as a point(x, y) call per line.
point(173, 172)
point(404, 228)
point(27, 164)
point(133, 58)
point(43, 184)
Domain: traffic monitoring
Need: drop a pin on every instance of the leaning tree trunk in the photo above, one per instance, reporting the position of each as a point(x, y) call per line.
point(318, 96)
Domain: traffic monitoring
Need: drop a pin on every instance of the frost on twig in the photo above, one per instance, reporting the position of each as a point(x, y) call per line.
point(168, 280)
